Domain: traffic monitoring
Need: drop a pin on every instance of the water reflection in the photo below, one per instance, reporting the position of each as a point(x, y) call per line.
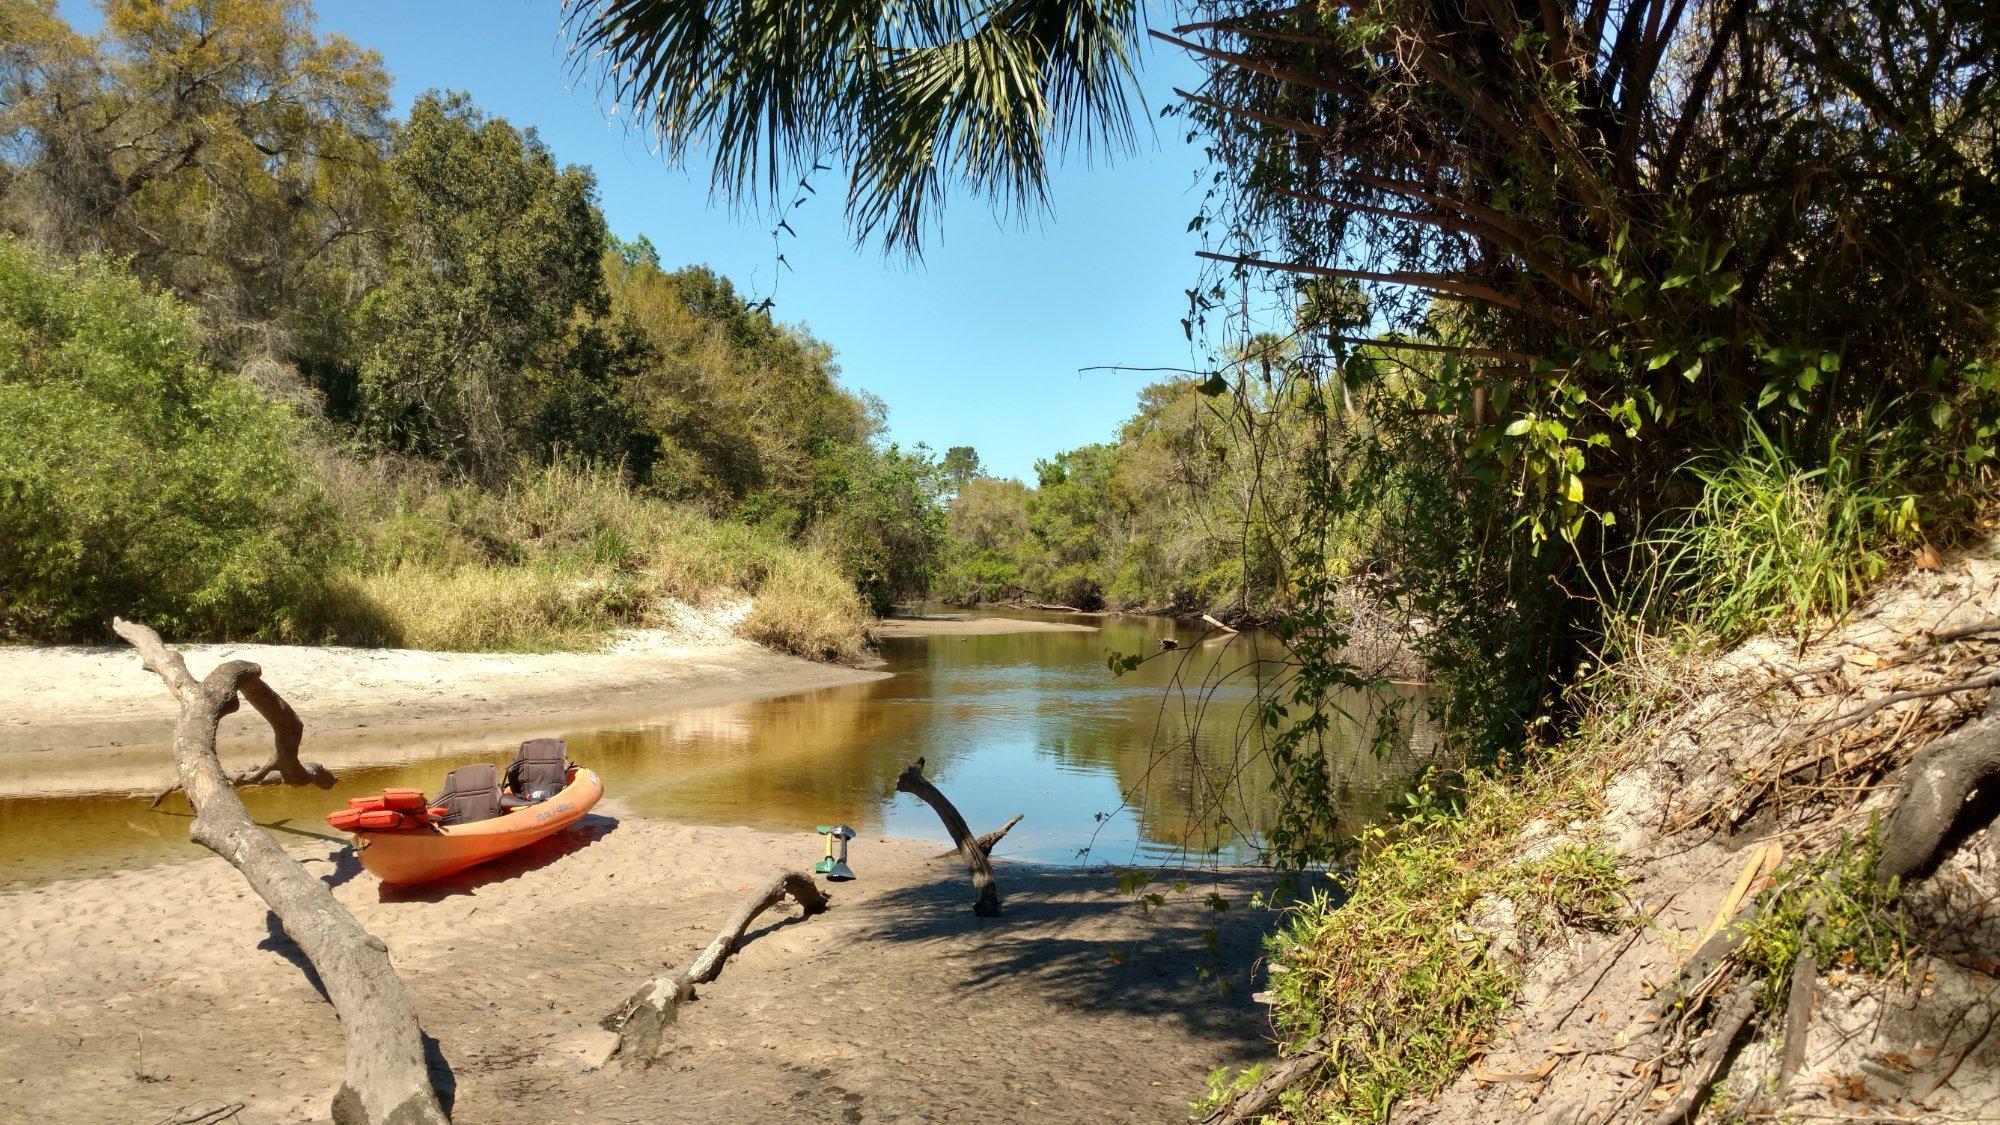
point(1150, 766)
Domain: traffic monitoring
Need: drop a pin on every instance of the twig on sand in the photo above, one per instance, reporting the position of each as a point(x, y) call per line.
point(386, 1076)
point(203, 1113)
point(641, 1022)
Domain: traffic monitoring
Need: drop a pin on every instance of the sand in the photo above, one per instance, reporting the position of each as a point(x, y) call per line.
point(949, 625)
point(135, 995)
point(77, 719)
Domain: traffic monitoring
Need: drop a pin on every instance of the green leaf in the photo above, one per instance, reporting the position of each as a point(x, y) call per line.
point(1520, 426)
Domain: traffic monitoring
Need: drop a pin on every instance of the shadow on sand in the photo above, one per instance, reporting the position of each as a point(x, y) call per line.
point(1073, 937)
point(592, 828)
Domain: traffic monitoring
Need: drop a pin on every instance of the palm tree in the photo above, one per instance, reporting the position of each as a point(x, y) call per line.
point(910, 96)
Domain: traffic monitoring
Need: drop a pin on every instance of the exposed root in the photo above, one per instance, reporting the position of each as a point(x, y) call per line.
point(1934, 790)
point(1708, 1065)
point(1253, 1103)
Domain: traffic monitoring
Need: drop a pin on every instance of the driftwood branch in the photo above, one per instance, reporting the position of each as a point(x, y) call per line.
point(986, 842)
point(386, 1077)
point(1251, 1104)
point(1935, 786)
point(987, 902)
point(283, 767)
point(642, 1021)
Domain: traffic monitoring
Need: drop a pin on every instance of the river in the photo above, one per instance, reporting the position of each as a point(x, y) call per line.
point(1158, 765)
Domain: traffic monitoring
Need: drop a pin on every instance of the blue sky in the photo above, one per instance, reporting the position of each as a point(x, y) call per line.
point(978, 344)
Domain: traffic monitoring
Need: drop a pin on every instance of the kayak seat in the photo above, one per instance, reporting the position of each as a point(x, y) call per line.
point(539, 770)
point(471, 794)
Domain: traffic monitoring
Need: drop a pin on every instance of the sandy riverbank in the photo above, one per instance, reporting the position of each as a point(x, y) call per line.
point(138, 994)
point(956, 625)
point(90, 718)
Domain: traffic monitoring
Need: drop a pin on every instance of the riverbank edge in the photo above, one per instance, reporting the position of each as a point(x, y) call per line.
point(1564, 899)
point(77, 719)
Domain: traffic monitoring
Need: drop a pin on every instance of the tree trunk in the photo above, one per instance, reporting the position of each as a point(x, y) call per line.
point(642, 1021)
point(387, 1082)
point(987, 902)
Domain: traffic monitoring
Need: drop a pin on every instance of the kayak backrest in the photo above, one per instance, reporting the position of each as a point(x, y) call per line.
point(539, 769)
point(471, 794)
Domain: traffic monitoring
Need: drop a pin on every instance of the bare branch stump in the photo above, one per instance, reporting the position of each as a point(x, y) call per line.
point(642, 1022)
point(987, 841)
point(987, 902)
point(387, 1082)
point(1935, 786)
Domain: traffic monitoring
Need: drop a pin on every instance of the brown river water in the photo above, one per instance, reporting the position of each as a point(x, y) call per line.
point(1156, 766)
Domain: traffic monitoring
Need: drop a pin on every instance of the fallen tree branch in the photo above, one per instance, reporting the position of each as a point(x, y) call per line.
point(1977, 628)
point(641, 1022)
point(1935, 786)
point(1721, 1045)
point(1842, 722)
point(286, 734)
point(987, 841)
point(386, 1079)
point(987, 902)
point(1252, 1103)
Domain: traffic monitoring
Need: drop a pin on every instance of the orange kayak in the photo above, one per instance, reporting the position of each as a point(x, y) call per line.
point(420, 855)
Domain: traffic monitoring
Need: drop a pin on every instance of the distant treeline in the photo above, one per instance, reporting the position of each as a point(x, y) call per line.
point(1189, 510)
point(450, 373)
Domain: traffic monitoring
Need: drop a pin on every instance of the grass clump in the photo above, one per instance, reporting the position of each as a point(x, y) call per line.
point(1832, 905)
point(1782, 536)
point(563, 558)
point(807, 607)
point(1397, 969)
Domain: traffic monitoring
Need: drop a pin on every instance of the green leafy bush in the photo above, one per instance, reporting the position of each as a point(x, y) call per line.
point(134, 479)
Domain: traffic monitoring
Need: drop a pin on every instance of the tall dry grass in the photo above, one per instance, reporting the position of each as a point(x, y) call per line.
point(562, 559)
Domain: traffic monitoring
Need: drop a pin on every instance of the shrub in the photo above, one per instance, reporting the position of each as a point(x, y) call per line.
point(135, 480)
point(806, 607)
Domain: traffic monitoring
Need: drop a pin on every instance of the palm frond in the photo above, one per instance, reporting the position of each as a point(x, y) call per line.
point(914, 96)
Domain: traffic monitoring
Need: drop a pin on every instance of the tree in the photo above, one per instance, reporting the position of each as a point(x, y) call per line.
point(101, 386)
point(486, 341)
point(747, 411)
point(912, 98)
point(887, 526)
point(960, 465)
point(225, 148)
